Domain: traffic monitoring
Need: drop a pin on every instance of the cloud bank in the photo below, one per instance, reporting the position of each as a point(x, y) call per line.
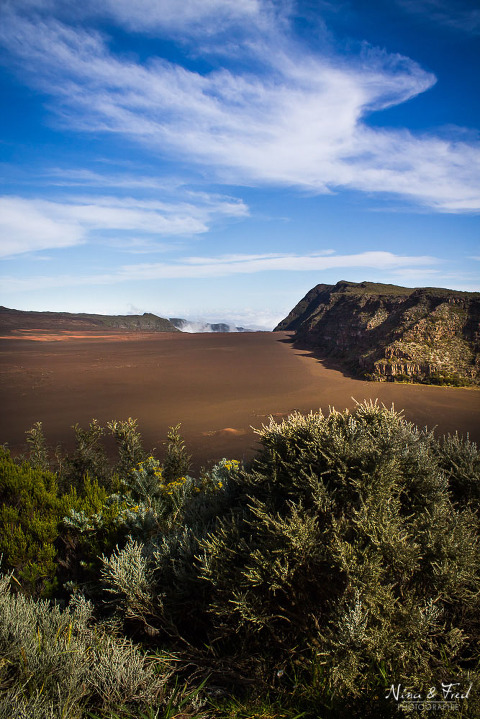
point(28, 225)
point(224, 266)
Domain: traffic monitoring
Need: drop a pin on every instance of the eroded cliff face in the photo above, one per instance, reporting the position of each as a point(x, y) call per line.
point(386, 332)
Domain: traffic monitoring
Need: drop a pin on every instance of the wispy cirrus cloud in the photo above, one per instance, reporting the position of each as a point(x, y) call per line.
point(227, 265)
point(298, 119)
point(71, 177)
point(154, 16)
point(29, 225)
point(209, 16)
point(238, 264)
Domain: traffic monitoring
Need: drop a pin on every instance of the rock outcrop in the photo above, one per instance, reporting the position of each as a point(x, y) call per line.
point(386, 332)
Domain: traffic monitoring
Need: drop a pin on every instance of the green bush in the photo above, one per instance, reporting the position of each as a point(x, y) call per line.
point(88, 458)
point(37, 446)
point(31, 515)
point(129, 443)
point(343, 556)
point(446, 379)
point(176, 462)
point(343, 560)
point(350, 545)
point(460, 460)
point(30, 512)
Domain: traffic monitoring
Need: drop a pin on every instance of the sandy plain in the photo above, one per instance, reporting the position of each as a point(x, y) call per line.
point(218, 386)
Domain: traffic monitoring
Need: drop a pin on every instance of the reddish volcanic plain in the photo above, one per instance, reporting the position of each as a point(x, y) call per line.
point(217, 385)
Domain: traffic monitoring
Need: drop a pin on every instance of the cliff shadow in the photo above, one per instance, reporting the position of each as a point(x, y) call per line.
point(333, 363)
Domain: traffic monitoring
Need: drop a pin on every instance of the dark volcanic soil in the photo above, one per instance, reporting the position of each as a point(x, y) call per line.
point(216, 385)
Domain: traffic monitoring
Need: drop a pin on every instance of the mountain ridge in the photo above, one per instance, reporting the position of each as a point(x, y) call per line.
point(389, 332)
point(12, 320)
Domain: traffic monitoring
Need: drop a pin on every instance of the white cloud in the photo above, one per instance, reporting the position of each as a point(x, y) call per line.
point(227, 265)
point(24, 227)
point(224, 266)
point(443, 175)
point(248, 317)
point(29, 225)
point(298, 120)
point(153, 16)
point(68, 177)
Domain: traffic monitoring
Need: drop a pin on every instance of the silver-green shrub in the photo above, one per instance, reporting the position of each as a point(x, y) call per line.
point(128, 578)
point(351, 550)
point(152, 579)
point(55, 662)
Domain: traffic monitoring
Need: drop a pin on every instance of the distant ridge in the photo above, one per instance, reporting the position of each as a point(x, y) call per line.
point(12, 320)
point(388, 332)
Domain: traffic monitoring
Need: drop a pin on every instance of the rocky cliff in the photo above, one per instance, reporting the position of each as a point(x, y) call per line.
point(11, 320)
point(385, 332)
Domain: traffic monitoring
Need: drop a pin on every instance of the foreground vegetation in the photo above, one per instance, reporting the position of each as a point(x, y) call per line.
point(343, 561)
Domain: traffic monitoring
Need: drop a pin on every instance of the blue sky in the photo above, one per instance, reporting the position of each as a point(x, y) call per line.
point(220, 160)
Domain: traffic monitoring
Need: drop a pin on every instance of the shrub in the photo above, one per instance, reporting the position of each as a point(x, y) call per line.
point(450, 380)
point(152, 580)
point(31, 515)
point(340, 557)
point(177, 461)
point(460, 460)
point(129, 442)
point(349, 549)
point(38, 451)
point(30, 512)
point(343, 560)
point(88, 458)
point(55, 664)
